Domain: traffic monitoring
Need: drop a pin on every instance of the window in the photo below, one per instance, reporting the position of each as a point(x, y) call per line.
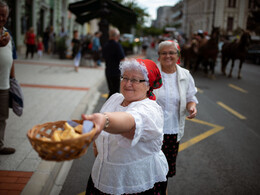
point(232, 3)
point(230, 21)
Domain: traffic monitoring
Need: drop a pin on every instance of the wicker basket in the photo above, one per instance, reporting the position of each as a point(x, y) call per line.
point(58, 150)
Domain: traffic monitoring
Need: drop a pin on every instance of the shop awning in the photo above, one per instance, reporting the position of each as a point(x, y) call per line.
point(87, 10)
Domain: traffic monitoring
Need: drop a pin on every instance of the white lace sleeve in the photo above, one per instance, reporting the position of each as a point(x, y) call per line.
point(192, 90)
point(148, 117)
point(112, 103)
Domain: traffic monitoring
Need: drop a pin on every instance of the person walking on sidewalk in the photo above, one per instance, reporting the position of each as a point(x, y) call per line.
point(46, 40)
point(96, 49)
point(6, 71)
point(30, 41)
point(76, 49)
point(40, 48)
point(113, 53)
point(130, 133)
point(176, 96)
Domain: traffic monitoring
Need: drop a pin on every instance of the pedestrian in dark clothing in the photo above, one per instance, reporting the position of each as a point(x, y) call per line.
point(96, 49)
point(76, 52)
point(113, 53)
point(46, 40)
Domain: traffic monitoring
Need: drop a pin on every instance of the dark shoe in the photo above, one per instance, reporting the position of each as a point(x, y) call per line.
point(7, 151)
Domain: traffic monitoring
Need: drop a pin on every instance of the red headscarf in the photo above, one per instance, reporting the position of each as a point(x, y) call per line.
point(154, 75)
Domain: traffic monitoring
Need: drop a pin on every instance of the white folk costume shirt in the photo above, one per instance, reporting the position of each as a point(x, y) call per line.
point(131, 166)
point(178, 88)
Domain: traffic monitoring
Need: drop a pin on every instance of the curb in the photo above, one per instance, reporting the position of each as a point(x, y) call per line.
point(49, 177)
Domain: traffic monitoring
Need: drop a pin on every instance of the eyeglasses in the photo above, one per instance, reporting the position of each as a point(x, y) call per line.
point(133, 81)
point(171, 53)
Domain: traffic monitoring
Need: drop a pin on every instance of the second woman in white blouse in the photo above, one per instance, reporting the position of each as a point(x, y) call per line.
point(176, 96)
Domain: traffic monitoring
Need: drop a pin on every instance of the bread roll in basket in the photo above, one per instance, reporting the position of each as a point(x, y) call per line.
point(42, 139)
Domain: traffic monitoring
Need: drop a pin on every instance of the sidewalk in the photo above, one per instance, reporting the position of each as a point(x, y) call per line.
point(52, 91)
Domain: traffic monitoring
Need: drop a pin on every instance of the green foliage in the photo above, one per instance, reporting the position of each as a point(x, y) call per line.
point(152, 31)
point(142, 16)
point(61, 47)
point(126, 44)
point(61, 43)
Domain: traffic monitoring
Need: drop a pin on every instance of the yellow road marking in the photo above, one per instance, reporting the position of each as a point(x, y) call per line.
point(202, 136)
point(237, 88)
point(231, 110)
point(82, 193)
point(105, 95)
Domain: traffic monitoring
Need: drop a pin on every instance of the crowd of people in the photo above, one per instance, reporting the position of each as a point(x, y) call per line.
point(89, 46)
point(67, 48)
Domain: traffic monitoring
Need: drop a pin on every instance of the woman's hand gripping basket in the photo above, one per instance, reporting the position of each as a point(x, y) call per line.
point(61, 140)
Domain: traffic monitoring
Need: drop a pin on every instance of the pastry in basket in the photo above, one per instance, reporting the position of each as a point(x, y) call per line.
point(62, 140)
point(46, 139)
point(69, 132)
point(56, 136)
point(78, 129)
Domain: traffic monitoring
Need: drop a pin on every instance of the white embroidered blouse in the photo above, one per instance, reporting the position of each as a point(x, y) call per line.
point(131, 166)
point(168, 97)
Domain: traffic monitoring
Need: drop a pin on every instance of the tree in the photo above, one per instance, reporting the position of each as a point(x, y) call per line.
point(141, 14)
point(152, 31)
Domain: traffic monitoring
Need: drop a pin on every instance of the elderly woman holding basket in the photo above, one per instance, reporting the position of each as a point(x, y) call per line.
point(130, 133)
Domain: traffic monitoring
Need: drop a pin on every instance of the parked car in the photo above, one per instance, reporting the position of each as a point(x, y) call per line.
point(253, 53)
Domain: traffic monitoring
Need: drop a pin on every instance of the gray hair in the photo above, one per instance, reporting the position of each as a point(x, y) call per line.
point(132, 64)
point(166, 44)
point(4, 4)
point(114, 32)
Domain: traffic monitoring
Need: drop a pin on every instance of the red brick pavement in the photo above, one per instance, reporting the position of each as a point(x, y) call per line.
point(13, 182)
point(54, 87)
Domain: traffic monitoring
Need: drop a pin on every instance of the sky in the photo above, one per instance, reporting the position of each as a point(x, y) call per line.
point(153, 5)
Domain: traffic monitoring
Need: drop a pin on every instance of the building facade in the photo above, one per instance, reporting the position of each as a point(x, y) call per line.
point(189, 16)
point(42, 14)
point(163, 16)
point(229, 15)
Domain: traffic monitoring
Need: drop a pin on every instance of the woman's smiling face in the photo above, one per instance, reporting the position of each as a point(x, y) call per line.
point(168, 56)
point(133, 91)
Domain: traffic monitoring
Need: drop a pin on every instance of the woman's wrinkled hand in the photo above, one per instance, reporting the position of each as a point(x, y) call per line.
point(192, 111)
